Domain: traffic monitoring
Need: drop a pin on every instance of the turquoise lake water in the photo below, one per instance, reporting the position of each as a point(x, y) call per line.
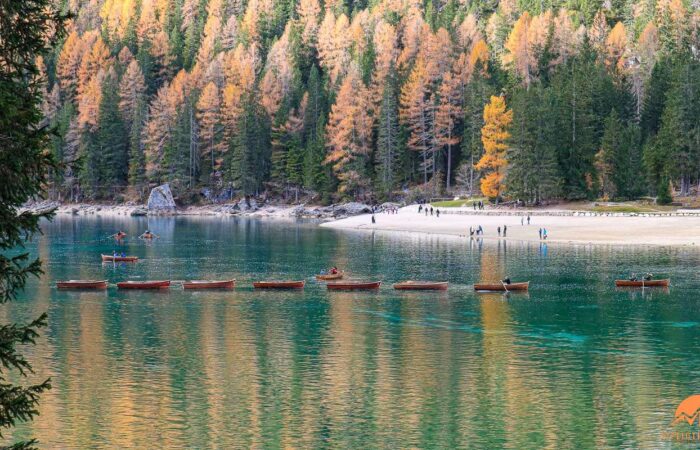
point(575, 363)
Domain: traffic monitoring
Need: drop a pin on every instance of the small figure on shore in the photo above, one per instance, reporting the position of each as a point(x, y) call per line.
point(471, 231)
point(544, 234)
point(373, 219)
point(528, 219)
point(431, 210)
point(522, 221)
point(499, 231)
point(426, 211)
point(479, 230)
point(540, 233)
point(437, 212)
point(505, 230)
point(474, 205)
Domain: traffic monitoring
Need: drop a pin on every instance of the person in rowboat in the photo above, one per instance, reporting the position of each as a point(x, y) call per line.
point(506, 281)
point(147, 235)
point(334, 270)
point(633, 277)
point(648, 277)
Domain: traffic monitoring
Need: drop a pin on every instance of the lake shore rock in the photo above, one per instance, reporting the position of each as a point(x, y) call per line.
point(242, 207)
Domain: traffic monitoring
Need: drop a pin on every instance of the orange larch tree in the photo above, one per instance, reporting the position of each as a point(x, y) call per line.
point(349, 133)
point(494, 136)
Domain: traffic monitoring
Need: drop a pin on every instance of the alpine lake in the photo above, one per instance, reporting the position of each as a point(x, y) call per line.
point(574, 363)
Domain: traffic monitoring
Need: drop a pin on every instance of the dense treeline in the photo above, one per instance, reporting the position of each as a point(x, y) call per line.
point(525, 100)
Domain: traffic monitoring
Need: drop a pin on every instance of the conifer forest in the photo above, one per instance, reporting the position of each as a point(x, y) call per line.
point(376, 99)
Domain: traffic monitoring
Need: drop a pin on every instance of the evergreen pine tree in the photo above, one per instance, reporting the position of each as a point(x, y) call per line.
point(388, 135)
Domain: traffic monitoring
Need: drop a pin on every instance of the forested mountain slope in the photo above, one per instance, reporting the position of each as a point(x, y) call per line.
point(529, 99)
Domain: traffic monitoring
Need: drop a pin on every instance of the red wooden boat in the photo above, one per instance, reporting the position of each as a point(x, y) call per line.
point(353, 285)
point(503, 287)
point(82, 284)
point(279, 284)
point(209, 284)
point(110, 258)
point(163, 284)
point(642, 283)
point(421, 286)
point(330, 276)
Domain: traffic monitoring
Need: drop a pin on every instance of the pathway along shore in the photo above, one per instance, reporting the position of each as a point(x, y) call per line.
point(674, 230)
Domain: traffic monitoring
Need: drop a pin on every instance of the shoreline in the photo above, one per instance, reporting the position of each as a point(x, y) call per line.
point(563, 227)
point(677, 229)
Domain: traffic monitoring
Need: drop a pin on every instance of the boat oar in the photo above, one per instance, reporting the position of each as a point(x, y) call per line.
point(504, 287)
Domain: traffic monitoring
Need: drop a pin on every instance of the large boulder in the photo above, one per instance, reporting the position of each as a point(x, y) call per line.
point(161, 199)
point(351, 209)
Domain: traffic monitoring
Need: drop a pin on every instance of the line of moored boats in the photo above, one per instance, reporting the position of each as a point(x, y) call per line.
point(333, 282)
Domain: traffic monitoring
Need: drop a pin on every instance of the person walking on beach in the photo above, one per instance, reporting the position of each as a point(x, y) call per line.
point(474, 205)
point(522, 221)
point(544, 234)
point(528, 219)
point(499, 231)
point(431, 210)
point(373, 219)
point(426, 211)
point(505, 230)
point(540, 233)
point(471, 232)
point(420, 209)
point(437, 212)
point(480, 230)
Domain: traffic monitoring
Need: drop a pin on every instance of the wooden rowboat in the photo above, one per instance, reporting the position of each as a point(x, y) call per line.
point(503, 287)
point(353, 285)
point(330, 276)
point(209, 284)
point(421, 286)
point(279, 284)
point(110, 258)
point(642, 283)
point(82, 284)
point(163, 284)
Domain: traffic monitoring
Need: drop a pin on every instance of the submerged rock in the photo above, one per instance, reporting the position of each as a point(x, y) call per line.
point(161, 199)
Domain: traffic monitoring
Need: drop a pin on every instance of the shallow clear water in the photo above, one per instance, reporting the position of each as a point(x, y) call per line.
point(573, 364)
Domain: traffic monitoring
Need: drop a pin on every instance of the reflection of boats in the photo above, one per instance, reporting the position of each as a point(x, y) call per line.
point(162, 284)
point(353, 285)
point(279, 284)
point(110, 258)
point(642, 283)
point(330, 276)
point(503, 287)
point(421, 286)
point(209, 284)
point(82, 284)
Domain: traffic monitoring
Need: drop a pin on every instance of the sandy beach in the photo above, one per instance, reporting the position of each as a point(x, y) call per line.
point(612, 230)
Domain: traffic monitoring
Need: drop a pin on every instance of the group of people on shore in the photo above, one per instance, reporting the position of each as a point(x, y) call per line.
point(425, 208)
point(479, 231)
point(478, 205)
point(543, 234)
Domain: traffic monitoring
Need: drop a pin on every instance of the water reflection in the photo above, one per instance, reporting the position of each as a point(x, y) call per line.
point(576, 363)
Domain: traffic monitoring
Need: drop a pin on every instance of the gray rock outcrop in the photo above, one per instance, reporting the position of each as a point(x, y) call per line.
point(161, 199)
